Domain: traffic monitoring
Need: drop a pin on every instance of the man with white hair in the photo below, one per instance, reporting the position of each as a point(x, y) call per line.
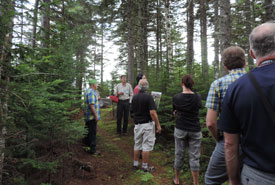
point(145, 117)
point(248, 115)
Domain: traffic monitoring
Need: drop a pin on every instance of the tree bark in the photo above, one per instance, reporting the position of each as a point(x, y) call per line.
point(203, 25)
point(248, 22)
point(130, 44)
point(142, 36)
point(190, 36)
point(101, 54)
point(169, 51)
point(226, 28)
point(35, 12)
point(6, 29)
point(268, 7)
point(216, 39)
point(158, 32)
point(46, 23)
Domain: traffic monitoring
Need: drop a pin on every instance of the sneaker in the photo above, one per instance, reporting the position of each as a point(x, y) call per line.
point(98, 153)
point(149, 169)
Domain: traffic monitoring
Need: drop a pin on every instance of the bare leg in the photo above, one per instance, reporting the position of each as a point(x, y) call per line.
point(195, 175)
point(177, 177)
point(145, 157)
point(136, 155)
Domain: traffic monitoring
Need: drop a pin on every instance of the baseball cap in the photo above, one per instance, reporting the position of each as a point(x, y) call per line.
point(92, 82)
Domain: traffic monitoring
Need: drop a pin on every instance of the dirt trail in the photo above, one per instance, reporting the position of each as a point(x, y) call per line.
point(114, 165)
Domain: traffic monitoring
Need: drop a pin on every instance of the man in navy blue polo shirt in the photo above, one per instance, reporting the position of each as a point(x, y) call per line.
point(246, 119)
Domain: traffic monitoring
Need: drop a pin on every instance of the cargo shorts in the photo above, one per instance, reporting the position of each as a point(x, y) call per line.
point(144, 135)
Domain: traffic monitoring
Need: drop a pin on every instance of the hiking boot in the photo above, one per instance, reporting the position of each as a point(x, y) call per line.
point(149, 169)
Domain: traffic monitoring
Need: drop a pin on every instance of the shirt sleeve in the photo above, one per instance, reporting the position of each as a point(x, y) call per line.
point(152, 105)
point(136, 90)
point(116, 90)
point(213, 98)
point(228, 121)
point(91, 97)
point(131, 92)
point(174, 106)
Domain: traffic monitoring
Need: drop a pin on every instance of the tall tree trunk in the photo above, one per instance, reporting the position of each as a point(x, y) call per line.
point(95, 59)
point(6, 29)
point(268, 6)
point(203, 25)
point(158, 32)
point(101, 54)
point(169, 51)
point(145, 35)
point(35, 12)
point(248, 22)
point(216, 39)
point(22, 21)
point(62, 32)
point(226, 28)
point(130, 44)
point(190, 36)
point(142, 36)
point(46, 23)
point(80, 70)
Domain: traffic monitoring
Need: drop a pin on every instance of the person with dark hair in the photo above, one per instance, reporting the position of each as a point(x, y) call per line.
point(124, 92)
point(138, 78)
point(187, 131)
point(233, 59)
point(248, 115)
point(145, 117)
point(92, 116)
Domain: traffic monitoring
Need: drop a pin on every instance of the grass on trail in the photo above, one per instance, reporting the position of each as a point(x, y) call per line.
point(162, 157)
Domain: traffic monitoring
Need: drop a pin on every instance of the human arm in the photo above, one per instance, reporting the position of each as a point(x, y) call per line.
point(130, 93)
point(154, 117)
point(211, 123)
point(232, 158)
point(92, 106)
point(116, 91)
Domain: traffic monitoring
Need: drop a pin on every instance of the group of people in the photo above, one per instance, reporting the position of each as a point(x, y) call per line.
point(240, 117)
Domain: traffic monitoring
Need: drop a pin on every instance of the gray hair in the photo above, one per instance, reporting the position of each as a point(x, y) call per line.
point(143, 85)
point(262, 39)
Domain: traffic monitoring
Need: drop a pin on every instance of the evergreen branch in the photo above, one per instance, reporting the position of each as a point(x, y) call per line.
point(16, 76)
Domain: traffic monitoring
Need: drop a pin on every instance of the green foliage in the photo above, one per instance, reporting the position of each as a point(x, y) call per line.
point(145, 177)
point(39, 165)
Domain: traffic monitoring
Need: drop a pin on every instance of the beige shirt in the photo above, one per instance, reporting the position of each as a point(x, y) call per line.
point(126, 89)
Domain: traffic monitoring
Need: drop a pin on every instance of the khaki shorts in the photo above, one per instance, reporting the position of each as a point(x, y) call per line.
point(144, 136)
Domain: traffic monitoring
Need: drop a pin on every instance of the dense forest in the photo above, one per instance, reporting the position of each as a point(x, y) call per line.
point(50, 48)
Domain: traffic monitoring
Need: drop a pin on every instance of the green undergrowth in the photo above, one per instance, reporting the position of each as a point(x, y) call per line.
point(162, 155)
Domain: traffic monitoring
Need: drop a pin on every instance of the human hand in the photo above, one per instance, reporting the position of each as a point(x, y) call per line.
point(120, 93)
point(158, 129)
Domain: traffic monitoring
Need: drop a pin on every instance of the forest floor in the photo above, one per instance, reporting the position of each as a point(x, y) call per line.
point(114, 165)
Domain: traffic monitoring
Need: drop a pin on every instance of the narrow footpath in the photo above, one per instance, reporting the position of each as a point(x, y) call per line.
point(114, 165)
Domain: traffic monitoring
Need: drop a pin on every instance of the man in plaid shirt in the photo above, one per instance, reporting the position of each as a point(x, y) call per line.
point(233, 59)
point(92, 115)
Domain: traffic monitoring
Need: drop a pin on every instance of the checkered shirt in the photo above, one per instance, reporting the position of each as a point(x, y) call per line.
point(92, 98)
point(218, 89)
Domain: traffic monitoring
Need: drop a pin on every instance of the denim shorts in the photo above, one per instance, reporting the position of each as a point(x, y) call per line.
point(144, 135)
point(192, 140)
